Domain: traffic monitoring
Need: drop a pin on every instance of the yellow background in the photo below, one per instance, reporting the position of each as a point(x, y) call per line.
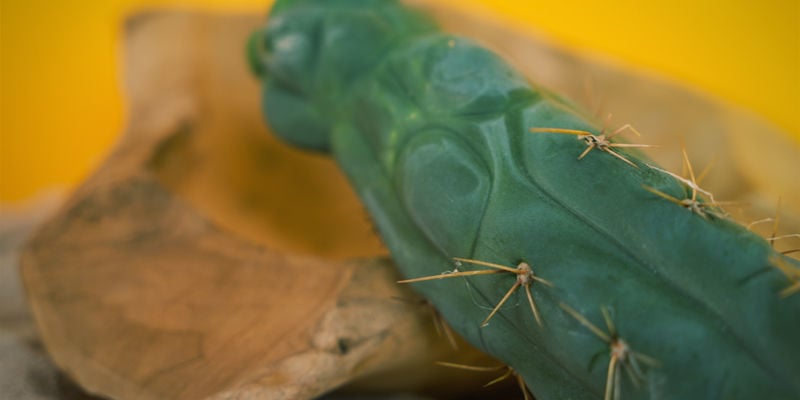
point(62, 107)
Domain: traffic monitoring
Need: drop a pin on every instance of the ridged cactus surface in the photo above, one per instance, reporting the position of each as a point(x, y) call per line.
point(628, 282)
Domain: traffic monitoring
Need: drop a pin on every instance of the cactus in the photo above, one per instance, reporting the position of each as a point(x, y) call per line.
point(587, 269)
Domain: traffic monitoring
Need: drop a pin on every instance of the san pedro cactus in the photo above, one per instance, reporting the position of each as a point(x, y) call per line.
point(598, 277)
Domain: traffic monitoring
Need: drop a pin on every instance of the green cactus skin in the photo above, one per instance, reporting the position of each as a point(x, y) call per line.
point(434, 134)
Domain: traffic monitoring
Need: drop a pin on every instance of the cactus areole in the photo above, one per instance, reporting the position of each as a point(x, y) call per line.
point(563, 253)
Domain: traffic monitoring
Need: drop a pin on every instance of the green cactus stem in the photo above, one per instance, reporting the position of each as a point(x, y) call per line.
point(434, 132)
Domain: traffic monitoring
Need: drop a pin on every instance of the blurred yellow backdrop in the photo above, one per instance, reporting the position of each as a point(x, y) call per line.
point(61, 106)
